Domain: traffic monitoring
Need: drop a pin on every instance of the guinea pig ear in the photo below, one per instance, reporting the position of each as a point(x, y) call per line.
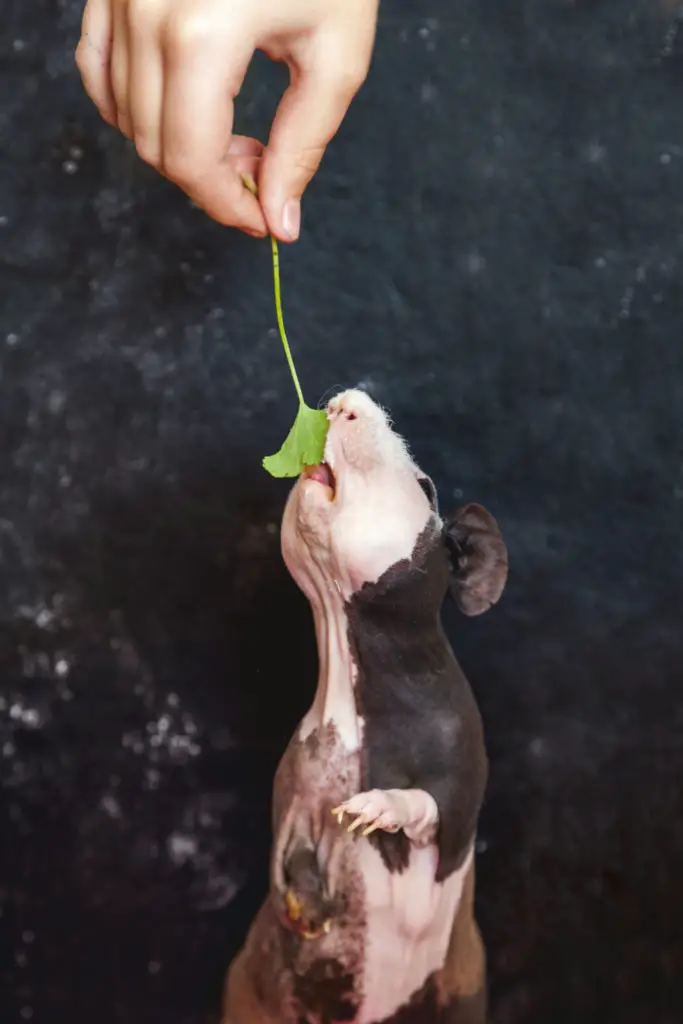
point(429, 490)
point(479, 559)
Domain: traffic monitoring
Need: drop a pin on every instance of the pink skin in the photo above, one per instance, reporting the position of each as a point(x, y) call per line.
point(374, 513)
point(167, 73)
point(412, 810)
point(346, 522)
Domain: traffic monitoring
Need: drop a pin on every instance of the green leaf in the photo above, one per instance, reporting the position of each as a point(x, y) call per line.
point(304, 446)
point(305, 442)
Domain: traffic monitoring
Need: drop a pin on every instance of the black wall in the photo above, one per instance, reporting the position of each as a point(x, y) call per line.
point(494, 247)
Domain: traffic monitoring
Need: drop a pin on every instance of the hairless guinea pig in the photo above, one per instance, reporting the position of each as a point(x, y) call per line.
point(369, 917)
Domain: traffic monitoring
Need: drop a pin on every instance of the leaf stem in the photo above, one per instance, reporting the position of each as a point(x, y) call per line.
point(250, 184)
point(280, 321)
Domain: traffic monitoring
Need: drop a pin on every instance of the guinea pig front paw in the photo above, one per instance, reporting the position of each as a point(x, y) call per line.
point(377, 809)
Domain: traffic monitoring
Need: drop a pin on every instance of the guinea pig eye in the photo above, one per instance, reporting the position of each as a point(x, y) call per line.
point(429, 490)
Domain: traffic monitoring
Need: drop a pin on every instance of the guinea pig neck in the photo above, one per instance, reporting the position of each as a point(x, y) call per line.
point(335, 701)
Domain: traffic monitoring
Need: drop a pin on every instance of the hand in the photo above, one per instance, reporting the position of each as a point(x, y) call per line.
point(412, 810)
point(166, 72)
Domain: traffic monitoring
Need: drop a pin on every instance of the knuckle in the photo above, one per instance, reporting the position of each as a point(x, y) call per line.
point(87, 64)
point(350, 79)
point(81, 57)
point(190, 31)
point(356, 81)
point(309, 160)
point(142, 15)
point(346, 74)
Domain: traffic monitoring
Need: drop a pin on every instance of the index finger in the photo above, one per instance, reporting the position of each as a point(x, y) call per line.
point(205, 70)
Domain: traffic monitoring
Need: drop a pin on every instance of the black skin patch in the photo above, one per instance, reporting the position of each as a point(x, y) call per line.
point(305, 879)
point(327, 992)
point(423, 729)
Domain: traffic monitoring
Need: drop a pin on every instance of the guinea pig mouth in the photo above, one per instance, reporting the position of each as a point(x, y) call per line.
point(322, 474)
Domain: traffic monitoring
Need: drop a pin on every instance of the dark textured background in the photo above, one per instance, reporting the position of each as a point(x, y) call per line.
point(494, 247)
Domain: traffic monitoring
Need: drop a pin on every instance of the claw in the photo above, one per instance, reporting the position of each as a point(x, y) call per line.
point(338, 812)
point(293, 905)
point(355, 823)
point(316, 933)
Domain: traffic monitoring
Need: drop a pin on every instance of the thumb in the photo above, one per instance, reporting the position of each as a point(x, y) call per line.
point(308, 117)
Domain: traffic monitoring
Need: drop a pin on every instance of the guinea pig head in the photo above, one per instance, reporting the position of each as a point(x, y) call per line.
point(368, 514)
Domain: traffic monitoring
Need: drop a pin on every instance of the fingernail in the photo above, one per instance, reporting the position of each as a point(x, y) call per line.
point(291, 219)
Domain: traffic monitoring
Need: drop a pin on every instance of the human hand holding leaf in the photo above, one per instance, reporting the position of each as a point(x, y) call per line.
point(305, 443)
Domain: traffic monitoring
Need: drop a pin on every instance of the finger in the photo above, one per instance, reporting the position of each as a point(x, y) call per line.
point(120, 67)
point(93, 55)
point(145, 81)
point(307, 118)
point(205, 70)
